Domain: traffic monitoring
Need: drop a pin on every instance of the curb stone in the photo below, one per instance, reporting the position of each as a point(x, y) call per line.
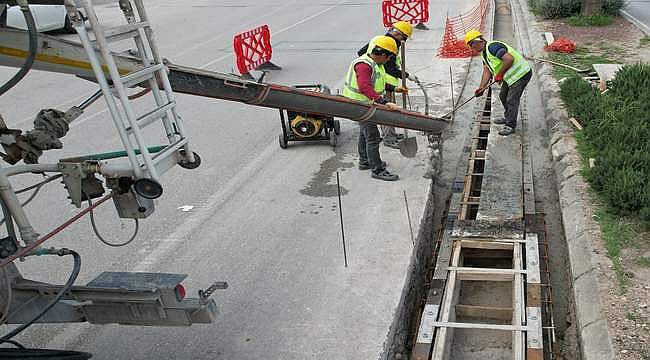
point(580, 229)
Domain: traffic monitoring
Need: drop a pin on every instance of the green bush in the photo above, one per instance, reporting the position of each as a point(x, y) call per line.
point(611, 7)
point(554, 9)
point(617, 134)
point(644, 214)
point(629, 80)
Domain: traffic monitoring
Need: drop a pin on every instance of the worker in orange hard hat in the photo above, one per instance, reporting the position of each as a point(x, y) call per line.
point(365, 82)
point(400, 31)
point(509, 68)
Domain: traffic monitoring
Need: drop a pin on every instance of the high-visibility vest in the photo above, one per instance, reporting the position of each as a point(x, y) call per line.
point(351, 87)
point(519, 68)
point(390, 79)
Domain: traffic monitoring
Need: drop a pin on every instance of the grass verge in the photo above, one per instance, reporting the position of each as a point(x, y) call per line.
point(582, 58)
point(592, 20)
point(618, 233)
point(620, 230)
point(644, 41)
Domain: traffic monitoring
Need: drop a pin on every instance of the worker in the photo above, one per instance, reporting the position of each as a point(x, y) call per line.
point(509, 68)
point(400, 31)
point(365, 82)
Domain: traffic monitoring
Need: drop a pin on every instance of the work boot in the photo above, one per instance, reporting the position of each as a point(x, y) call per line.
point(392, 143)
point(384, 175)
point(499, 121)
point(506, 130)
point(366, 166)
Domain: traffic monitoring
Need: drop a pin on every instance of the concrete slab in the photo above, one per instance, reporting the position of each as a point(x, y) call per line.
point(501, 197)
point(607, 72)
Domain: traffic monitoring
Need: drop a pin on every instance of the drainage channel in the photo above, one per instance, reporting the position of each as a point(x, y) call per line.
point(489, 296)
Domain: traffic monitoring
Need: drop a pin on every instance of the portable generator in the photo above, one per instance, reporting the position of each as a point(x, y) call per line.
point(308, 127)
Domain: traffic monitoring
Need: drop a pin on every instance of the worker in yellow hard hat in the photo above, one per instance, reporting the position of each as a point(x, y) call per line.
point(400, 31)
point(365, 82)
point(509, 68)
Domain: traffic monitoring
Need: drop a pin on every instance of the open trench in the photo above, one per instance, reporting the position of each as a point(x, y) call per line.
point(486, 208)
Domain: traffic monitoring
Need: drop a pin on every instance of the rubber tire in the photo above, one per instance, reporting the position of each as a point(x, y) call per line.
point(190, 166)
point(282, 141)
point(337, 127)
point(333, 139)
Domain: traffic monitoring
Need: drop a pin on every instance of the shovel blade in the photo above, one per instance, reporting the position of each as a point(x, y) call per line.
point(408, 147)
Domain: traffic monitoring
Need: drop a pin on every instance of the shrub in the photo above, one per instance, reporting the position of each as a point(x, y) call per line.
point(644, 214)
point(553, 9)
point(611, 7)
point(631, 81)
point(617, 134)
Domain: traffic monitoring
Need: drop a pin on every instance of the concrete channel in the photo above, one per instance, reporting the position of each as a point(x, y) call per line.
point(494, 207)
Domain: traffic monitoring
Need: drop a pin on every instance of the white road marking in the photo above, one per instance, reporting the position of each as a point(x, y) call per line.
point(278, 32)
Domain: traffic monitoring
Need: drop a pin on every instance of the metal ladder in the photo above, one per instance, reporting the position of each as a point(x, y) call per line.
point(113, 83)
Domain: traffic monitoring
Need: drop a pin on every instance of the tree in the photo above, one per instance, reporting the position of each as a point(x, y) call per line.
point(591, 7)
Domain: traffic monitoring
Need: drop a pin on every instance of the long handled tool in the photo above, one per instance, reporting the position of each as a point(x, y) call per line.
point(465, 102)
point(557, 64)
point(409, 146)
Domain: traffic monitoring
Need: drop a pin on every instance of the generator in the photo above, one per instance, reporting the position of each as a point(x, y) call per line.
point(298, 126)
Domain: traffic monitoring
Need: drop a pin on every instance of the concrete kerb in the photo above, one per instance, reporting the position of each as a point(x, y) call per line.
point(643, 27)
point(579, 227)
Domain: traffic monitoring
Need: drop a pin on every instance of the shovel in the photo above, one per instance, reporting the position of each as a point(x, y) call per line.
point(409, 146)
point(465, 102)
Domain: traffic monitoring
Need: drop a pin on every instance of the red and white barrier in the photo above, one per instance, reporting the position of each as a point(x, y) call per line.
point(253, 50)
point(412, 11)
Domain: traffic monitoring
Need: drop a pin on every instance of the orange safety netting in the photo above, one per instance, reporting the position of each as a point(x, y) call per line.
point(562, 45)
point(453, 44)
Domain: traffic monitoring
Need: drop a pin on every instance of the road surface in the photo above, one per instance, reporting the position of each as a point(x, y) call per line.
point(263, 219)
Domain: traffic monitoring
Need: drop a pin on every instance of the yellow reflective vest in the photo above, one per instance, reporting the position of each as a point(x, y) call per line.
point(519, 68)
point(351, 88)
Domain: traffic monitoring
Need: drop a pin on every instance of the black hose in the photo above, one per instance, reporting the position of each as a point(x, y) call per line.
point(38, 187)
point(64, 289)
point(34, 354)
point(33, 47)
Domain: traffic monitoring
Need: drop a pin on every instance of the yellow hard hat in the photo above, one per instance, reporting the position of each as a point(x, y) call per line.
point(386, 43)
point(472, 35)
point(404, 27)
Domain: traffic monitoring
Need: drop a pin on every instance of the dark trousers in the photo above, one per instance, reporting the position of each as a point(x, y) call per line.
point(510, 97)
point(387, 131)
point(368, 146)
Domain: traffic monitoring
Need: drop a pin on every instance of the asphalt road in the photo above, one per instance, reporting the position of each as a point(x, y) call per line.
point(262, 218)
point(640, 10)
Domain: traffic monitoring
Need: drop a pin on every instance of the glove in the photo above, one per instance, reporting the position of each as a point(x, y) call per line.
point(413, 78)
point(400, 89)
point(498, 78)
point(392, 106)
point(479, 92)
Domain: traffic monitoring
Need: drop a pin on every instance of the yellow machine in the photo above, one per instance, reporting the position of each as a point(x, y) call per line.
point(308, 127)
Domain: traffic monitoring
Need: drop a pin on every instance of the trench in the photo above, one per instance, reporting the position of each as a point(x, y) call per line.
point(556, 303)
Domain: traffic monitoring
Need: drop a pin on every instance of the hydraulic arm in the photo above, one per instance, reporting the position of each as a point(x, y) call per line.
point(57, 55)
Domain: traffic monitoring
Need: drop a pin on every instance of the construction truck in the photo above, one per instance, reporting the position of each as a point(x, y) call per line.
point(130, 176)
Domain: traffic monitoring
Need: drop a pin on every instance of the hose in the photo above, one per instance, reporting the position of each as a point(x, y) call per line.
point(5, 311)
point(101, 238)
point(11, 231)
point(73, 276)
point(36, 186)
point(33, 47)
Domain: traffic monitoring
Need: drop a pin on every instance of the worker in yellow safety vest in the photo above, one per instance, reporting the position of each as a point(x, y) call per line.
point(509, 68)
point(400, 31)
point(365, 82)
